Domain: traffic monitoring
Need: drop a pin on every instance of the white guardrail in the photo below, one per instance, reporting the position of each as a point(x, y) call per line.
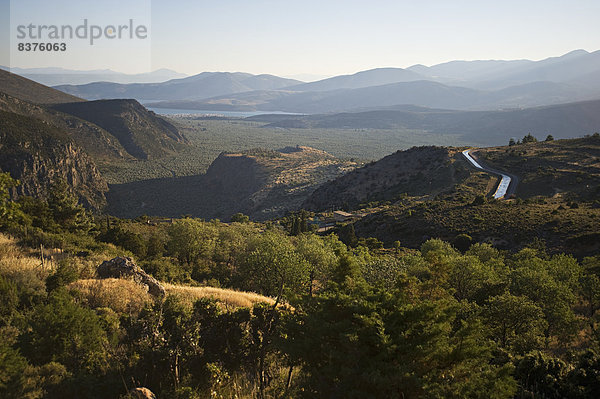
point(504, 182)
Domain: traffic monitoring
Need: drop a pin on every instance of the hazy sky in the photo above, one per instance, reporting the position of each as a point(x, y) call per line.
point(330, 37)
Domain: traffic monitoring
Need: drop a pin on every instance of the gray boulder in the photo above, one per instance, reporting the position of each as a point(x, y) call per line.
point(125, 267)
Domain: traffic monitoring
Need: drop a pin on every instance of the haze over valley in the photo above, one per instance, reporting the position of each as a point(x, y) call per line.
point(261, 200)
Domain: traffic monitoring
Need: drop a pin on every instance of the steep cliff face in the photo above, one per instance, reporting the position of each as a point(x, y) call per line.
point(236, 174)
point(38, 155)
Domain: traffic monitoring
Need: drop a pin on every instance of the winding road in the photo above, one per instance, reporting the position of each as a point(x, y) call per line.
point(508, 182)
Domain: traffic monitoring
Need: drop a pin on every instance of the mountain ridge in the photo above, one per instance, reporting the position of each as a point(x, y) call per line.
point(203, 85)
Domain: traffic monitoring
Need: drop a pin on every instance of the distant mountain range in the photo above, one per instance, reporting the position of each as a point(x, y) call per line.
point(201, 86)
point(61, 76)
point(460, 85)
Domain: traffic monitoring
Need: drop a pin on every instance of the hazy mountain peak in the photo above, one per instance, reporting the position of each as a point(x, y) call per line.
point(361, 79)
point(575, 53)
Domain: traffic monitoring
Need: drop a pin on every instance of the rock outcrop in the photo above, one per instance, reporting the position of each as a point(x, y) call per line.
point(142, 393)
point(39, 155)
point(121, 267)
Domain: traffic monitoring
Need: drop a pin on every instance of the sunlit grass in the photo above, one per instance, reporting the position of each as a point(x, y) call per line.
point(228, 297)
point(121, 295)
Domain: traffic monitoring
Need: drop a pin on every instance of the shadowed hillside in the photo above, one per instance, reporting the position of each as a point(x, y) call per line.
point(97, 142)
point(260, 183)
point(142, 133)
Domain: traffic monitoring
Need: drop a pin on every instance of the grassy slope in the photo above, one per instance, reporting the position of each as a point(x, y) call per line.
point(225, 296)
point(121, 295)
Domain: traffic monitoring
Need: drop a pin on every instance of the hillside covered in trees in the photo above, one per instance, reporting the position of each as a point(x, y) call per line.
point(336, 320)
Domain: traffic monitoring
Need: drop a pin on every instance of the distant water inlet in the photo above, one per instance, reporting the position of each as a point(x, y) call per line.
point(505, 179)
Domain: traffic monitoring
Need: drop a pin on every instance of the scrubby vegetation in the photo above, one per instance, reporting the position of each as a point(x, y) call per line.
point(208, 137)
point(254, 311)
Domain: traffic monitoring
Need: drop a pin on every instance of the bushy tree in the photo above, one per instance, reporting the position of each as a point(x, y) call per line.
point(190, 239)
point(529, 138)
point(540, 375)
point(550, 285)
point(64, 331)
point(320, 258)
point(348, 236)
point(240, 218)
point(470, 279)
point(515, 322)
point(273, 265)
point(462, 242)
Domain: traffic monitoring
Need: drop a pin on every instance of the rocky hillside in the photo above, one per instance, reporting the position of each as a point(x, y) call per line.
point(426, 192)
point(48, 135)
point(107, 130)
point(39, 154)
point(142, 133)
point(97, 142)
point(419, 171)
point(260, 183)
point(557, 168)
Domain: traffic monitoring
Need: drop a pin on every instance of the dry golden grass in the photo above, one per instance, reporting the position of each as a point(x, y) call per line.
point(227, 297)
point(20, 267)
point(120, 295)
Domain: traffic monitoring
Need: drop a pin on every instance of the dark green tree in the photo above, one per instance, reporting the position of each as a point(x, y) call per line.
point(529, 138)
point(462, 242)
point(10, 214)
point(357, 343)
point(66, 212)
point(348, 236)
point(515, 322)
point(240, 218)
point(63, 331)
